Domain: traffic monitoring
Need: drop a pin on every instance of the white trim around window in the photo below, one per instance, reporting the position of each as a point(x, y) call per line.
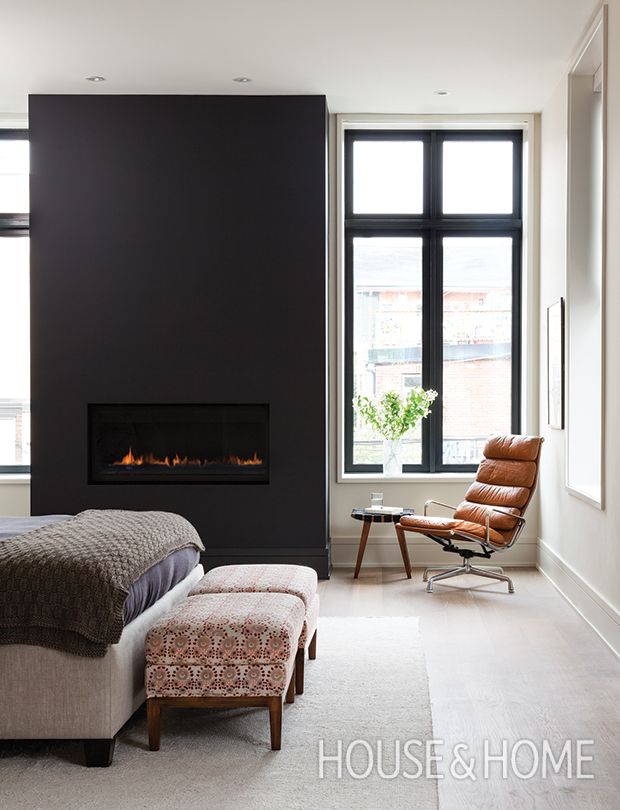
point(530, 125)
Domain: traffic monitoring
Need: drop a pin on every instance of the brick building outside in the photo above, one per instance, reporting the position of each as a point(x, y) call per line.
point(477, 317)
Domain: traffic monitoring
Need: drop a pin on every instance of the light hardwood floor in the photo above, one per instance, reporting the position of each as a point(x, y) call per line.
point(521, 666)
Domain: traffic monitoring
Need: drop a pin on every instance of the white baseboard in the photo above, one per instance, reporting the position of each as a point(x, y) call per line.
point(594, 608)
point(385, 552)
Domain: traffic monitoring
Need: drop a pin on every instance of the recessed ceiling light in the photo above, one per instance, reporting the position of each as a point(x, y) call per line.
point(242, 79)
point(95, 78)
point(441, 92)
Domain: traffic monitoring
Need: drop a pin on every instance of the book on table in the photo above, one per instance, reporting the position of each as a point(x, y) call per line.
point(383, 510)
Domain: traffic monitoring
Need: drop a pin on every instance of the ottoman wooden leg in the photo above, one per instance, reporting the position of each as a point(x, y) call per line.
point(290, 692)
point(312, 647)
point(153, 715)
point(300, 661)
point(275, 722)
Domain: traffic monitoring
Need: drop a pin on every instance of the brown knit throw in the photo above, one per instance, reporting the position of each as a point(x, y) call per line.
point(64, 586)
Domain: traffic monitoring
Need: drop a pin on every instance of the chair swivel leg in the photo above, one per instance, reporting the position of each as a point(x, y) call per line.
point(453, 572)
point(481, 572)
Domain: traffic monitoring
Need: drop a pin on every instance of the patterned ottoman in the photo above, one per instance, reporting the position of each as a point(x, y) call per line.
point(298, 580)
point(224, 650)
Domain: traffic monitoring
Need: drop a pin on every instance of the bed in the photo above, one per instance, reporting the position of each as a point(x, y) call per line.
point(54, 694)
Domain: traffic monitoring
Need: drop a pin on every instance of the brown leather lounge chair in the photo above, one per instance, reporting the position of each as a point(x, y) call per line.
point(491, 514)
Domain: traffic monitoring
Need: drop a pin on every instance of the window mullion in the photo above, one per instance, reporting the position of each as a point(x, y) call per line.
point(433, 377)
point(433, 303)
point(516, 334)
point(427, 346)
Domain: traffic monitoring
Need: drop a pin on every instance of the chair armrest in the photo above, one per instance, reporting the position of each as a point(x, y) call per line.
point(521, 520)
point(438, 503)
point(502, 512)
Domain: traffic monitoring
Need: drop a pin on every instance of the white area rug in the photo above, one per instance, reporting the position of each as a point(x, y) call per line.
point(368, 683)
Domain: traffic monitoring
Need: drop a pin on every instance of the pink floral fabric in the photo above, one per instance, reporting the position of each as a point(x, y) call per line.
point(229, 644)
point(299, 580)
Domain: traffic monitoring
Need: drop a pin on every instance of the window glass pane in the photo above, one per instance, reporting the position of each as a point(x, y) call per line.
point(14, 177)
point(387, 333)
point(477, 323)
point(477, 177)
point(388, 177)
point(14, 351)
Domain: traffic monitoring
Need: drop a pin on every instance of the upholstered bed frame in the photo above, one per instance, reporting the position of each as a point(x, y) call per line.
point(48, 694)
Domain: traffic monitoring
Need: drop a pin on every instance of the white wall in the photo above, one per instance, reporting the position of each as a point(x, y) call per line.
point(583, 284)
point(15, 499)
point(579, 544)
point(382, 546)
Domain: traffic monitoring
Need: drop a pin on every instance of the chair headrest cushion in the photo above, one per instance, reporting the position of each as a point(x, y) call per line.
point(513, 448)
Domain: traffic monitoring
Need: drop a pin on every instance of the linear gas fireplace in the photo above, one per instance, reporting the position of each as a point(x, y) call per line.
point(143, 444)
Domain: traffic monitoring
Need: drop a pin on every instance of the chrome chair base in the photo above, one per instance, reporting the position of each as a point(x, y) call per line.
point(497, 568)
point(466, 568)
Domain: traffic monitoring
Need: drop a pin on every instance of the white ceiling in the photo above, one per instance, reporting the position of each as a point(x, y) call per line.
point(384, 56)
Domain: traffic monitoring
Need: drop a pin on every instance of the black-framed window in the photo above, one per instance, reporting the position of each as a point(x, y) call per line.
point(14, 302)
point(433, 239)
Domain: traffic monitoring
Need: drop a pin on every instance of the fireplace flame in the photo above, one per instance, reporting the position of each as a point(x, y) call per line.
point(130, 460)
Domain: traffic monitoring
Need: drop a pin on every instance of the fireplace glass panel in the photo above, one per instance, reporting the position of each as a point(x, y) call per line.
point(178, 443)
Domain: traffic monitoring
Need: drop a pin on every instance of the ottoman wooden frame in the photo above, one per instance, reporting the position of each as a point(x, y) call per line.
point(273, 703)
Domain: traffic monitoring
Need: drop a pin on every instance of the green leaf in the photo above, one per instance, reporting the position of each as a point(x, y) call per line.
point(391, 415)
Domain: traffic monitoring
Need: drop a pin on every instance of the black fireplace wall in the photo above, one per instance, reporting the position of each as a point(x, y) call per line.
point(178, 254)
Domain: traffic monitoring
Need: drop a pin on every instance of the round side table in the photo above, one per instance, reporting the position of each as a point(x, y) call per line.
point(374, 517)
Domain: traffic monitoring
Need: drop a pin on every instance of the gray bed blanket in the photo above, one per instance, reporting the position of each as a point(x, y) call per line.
point(64, 585)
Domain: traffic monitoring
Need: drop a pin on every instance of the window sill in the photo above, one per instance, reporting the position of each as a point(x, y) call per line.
point(14, 478)
point(407, 478)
